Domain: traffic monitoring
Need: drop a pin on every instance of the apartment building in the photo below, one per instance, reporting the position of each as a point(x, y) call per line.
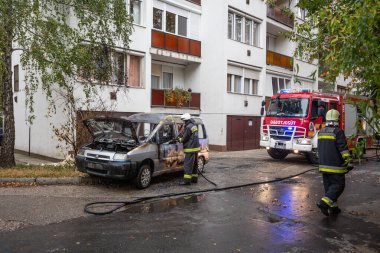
point(230, 55)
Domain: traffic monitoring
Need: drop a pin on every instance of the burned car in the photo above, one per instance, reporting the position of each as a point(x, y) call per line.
point(137, 147)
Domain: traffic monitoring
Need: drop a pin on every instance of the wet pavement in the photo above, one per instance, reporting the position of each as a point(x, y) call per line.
point(268, 217)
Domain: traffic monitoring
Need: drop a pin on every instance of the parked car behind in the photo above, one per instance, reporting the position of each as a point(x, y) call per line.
point(137, 147)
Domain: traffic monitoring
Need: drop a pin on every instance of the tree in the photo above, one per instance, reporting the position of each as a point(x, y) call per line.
point(344, 37)
point(58, 40)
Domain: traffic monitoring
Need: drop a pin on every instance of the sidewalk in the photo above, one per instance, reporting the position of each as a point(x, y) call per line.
point(22, 157)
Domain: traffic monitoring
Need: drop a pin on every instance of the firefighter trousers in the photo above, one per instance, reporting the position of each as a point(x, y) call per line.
point(190, 166)
point(334, 185)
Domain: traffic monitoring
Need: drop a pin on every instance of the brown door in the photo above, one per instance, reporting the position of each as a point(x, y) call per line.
point(243, 132)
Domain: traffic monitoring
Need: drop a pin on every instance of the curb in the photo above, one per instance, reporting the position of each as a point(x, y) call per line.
point(51, 181)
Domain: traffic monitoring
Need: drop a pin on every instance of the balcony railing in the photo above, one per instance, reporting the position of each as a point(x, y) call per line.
point(277, 14)
point(159, 100)
point(176, 43)
point(195, 1)
point(279, 60)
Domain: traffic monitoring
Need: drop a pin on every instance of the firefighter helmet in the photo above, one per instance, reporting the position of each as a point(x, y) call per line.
point(332, 115)
point(185, 116)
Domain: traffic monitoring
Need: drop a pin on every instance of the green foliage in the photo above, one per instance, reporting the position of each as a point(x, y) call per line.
point(358, 150)
point(344, 37)
point(59, 40)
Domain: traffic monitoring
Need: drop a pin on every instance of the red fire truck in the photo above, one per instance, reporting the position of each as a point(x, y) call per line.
point(293, 120)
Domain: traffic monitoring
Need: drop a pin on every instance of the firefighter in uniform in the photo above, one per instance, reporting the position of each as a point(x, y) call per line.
point(334, 162)
point(191, 147)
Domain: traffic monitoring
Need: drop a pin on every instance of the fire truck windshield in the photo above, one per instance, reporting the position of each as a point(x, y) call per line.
point(288, 107)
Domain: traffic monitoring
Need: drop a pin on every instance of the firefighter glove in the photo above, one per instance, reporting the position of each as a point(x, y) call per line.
point(350, 166)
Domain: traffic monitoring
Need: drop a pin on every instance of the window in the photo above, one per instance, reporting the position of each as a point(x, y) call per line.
point(242, 80)
point(255, 33)
point(167, 80)
point(237, 84)
point(230, 25)
point(182, 26)
point(255, 86)
point(243, 29)
point(201, 132)
point(280, 83)
point(175, 24)
point(170, 22)
point(155, 82)
point(238, 27)
point(248, 31)
point(275, 85)
point(118, 68)
point(157, 18)
point(247, 85)
point(16, 85)
point(229, 84)
point(135, 11)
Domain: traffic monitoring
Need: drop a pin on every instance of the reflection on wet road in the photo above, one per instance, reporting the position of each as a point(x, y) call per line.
point(277, 217)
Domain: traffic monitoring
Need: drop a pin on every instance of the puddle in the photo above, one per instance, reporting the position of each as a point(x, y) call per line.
point(165, 204)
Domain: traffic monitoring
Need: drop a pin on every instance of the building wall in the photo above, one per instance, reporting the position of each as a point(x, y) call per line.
point(206, 75)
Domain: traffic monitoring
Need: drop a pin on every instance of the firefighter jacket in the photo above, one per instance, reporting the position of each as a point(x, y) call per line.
point(333, 151)
point(189, 137)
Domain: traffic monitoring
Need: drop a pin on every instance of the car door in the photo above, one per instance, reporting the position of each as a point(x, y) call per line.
point(168, 147)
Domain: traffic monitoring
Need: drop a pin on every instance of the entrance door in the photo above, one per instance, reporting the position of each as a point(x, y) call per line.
point(243, 132)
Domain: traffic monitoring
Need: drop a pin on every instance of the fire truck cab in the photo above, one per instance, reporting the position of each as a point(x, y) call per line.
point(293, 120)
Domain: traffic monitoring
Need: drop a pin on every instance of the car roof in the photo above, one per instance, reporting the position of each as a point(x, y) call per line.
point(156, 118)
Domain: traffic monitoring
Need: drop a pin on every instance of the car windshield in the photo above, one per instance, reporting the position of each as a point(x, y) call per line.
point(288, 107)
point(116, 129)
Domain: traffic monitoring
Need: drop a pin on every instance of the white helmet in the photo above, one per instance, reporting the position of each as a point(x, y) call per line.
point(185, 116)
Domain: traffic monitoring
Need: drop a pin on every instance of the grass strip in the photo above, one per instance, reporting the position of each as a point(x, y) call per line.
point(34, 171)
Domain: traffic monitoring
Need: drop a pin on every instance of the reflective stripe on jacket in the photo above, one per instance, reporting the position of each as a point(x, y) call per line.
point(332, 150)
point(190, 138)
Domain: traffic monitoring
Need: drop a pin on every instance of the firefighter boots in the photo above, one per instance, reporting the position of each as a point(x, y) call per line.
point(324, 207)
point(334, 210)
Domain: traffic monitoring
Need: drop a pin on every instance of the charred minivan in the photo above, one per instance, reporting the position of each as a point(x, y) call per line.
point(137, 147)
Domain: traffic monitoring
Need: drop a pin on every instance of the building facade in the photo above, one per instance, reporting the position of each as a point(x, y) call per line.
point(229, 54)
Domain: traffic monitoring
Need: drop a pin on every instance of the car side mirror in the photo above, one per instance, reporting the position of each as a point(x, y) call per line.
point(263, 103)
point(262, 111)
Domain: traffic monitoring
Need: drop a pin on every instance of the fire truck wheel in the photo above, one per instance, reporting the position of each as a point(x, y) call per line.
point(277, 153)
point(312, 157)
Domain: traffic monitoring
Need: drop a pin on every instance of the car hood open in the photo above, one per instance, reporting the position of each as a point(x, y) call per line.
point(111, 128)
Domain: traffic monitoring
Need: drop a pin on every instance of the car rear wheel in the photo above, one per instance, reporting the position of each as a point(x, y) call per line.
point(277, 153)
point(201, 164)
point(144, 177)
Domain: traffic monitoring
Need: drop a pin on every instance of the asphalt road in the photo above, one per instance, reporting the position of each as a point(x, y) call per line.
point(275, 217)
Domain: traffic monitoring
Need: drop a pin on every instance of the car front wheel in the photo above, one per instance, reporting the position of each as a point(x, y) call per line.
point(144, 177)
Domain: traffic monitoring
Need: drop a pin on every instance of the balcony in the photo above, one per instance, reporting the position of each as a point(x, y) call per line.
point(280, 16)
point(279, 60)
point(198, 2)
point(176, 43)
point(159, 100)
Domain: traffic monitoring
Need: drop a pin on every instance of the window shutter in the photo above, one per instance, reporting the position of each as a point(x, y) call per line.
point(134, 71)
point(252, 74)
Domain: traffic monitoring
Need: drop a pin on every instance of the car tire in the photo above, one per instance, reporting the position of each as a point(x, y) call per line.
point(201, 164)
point(312, 157)
point(277, 153)
point(144, 177)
